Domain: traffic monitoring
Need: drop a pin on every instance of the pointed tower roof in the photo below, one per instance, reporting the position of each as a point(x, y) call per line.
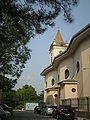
point(58, 39)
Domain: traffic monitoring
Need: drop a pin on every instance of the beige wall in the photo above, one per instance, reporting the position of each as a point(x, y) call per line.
point(78, 76)
point(62, 92)
point(48, 78)
point(51, 99)
point(82, 55)
point(51, 75)
point(56, 51)
point(65, 64)
point(86, 67)
point(66, 91)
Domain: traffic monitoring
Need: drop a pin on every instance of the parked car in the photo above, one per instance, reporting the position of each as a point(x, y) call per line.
point(47, 110)
point(7, 114)
point(7, 108)
point(63, 112)
point(37, 109)
point(54, 112)
point(4, 114)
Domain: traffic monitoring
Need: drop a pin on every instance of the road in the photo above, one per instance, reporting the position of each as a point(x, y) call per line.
point(29, 115)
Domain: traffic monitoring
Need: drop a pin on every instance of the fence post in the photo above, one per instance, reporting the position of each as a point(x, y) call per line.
point(87, 104)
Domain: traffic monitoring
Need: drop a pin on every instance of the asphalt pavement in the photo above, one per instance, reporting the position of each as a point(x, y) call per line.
point(29, 115)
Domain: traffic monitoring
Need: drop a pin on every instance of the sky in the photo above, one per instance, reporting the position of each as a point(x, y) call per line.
point(41, 43)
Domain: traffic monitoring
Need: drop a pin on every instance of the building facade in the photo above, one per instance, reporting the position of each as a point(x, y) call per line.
point(67, 76)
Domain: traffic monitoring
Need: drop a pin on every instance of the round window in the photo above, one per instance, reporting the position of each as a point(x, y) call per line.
point(55, 95)
point(73, 90)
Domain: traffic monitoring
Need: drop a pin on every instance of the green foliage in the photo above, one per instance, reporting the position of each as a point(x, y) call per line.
point(17, 99)
point(6, 84)
point(19, 107)
point(41, 97)
point(27, 93)
point(10, 98)
point(21, 20)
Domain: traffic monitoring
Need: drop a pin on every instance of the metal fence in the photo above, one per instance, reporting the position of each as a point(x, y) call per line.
point(81, 104)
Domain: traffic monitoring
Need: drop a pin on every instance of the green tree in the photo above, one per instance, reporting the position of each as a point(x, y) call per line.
point(19, 21)
point(41, 97)
point(26, 94)
point(10, 98)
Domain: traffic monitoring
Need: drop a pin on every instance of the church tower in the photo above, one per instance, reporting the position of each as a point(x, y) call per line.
point(57, 47)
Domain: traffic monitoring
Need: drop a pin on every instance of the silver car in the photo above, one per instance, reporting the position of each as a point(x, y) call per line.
point(47, 110)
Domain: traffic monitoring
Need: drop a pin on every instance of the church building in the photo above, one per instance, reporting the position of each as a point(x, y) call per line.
point(67, 76)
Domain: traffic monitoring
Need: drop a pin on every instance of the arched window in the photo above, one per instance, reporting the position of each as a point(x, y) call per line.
point(78, 67)
point(66, 73)
point(53, 82)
